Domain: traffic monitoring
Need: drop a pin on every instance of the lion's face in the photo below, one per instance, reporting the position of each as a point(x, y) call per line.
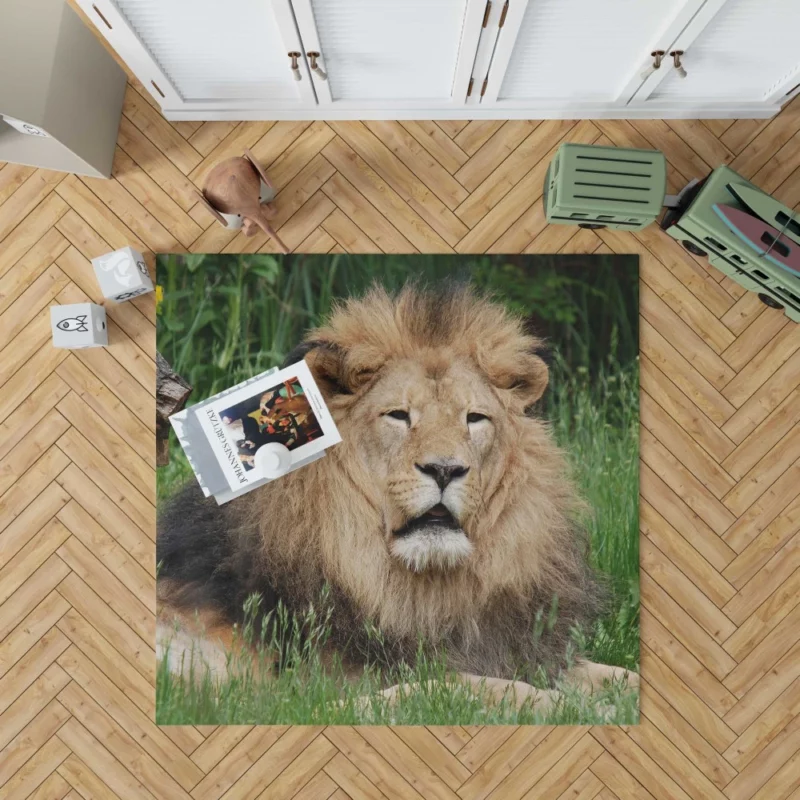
point(432, 436)
point(431, 400)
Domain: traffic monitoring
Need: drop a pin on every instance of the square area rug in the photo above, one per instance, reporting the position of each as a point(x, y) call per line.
point(460, 546)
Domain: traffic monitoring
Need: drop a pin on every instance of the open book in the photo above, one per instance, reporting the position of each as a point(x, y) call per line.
point(222, 435)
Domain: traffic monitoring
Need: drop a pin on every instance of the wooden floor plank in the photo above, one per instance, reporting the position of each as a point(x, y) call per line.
point(303, 146)
point(689, 705)
point(430, 225)
point(685, 738)
point(30, 630)
point(26, 198)
point(237, 762)
point(137, 724)
point(768, 616)
point(37, 769)
point(505, 759)
point(154, 199)
point(157, 165)
point(783, 675)
point(437, 143)
point(116, 553)
point(682, 554)
point(703, 468)
point(691, 635)
point(160, 132)
point(351, 203)
point(685, 413)
point(683, 157)
point(494, 186)
point(119, 743)
point(427, 169)
point(688, 379)
point(685, 521)
point(31, 266)
point(20, 601)
point(767, 508)
point(773, 574)
point(98, 760)
point(685, 593)
point(35, 710)
point(12, 176)
point(110, 625)
point(420, 759)
point(762, 402)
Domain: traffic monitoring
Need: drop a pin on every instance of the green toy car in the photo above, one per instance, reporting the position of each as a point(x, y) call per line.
point(701, 230)
point(605, 187)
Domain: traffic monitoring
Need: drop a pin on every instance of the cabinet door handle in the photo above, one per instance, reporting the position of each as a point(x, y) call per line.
point(676, 60)
point(658, 56)
point(295, 67)
point(315, 68)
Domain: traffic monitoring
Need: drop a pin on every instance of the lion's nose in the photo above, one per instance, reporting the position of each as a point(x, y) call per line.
point(443, 472)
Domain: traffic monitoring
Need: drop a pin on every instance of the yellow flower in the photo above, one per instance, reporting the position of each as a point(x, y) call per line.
point(159, 296)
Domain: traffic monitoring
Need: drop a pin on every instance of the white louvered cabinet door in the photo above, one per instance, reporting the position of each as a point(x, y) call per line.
point(556, 54)
point(390, 53)
point(208, 54)
point(746, 51)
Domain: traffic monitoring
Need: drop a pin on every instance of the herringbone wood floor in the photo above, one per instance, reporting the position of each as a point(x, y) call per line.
point(720, 471)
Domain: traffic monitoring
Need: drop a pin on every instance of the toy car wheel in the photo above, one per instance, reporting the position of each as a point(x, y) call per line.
point(769, 301)
point(592, 226)
point(693, 248)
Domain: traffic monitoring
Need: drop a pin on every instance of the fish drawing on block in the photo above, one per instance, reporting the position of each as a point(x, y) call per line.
point(77, 324)
point(763, 238)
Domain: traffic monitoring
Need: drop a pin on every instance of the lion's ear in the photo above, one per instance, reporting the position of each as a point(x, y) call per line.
point(525, 377)
point(338, 371)
point(326, 362)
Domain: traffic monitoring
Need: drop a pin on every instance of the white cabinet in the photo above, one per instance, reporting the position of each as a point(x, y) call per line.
point(736, 51)
point(568, 53)
point(400, 53)
point(406, 59)
point(222, 57)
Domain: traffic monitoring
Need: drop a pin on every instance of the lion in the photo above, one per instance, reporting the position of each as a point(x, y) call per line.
point(447, 511)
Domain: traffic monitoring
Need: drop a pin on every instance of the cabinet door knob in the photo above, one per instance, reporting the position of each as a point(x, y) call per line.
point(676, 60)
point(658, 56)
point(315, 68)
point(295, 67)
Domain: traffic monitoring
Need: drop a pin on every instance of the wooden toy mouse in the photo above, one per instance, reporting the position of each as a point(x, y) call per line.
point(237, 193)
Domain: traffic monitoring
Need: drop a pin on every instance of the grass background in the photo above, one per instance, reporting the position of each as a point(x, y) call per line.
point(224, 318)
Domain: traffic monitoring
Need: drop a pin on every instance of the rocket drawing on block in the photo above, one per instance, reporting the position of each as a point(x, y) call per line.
point(79, 325)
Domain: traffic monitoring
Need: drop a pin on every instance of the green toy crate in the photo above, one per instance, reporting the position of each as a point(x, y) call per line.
point(605, 187)
point(696, 225)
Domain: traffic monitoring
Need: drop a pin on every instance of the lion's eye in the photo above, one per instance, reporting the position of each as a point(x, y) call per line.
point(474, 416)
point(403, 416)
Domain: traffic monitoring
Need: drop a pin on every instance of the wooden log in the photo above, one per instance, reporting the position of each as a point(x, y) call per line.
point(172, 391)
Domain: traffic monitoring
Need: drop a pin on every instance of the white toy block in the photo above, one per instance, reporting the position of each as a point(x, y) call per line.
point(79, 325)
point(122, 274)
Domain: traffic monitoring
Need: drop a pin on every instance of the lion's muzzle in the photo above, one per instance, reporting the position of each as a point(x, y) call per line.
point(433, 540)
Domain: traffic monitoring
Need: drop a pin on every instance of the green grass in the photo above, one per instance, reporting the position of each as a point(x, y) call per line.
point(233, 318)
